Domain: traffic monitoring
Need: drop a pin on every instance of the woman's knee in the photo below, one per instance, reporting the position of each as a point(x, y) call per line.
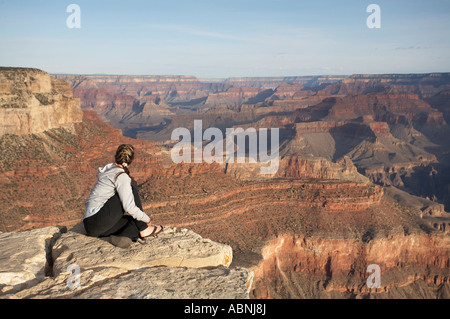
point(90, 228)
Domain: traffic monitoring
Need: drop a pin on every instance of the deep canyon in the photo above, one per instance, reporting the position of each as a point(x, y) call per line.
point(363, 178)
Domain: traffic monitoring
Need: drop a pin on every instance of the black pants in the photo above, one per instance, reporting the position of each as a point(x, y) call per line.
point(111, 220)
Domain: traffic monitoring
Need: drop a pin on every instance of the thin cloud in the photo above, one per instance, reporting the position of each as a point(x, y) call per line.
point(199, 32)
point(412, 48)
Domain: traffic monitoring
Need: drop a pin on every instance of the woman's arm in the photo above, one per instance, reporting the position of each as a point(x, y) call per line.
point(123, 186)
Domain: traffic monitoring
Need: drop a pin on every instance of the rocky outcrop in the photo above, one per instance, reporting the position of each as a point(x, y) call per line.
point(304, 166)
point(54, 263)
point(297, 165)
point(31, 101)
point(24, 257)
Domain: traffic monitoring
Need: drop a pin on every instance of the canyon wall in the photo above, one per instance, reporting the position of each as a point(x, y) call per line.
point(33, 102)
point(413, 266)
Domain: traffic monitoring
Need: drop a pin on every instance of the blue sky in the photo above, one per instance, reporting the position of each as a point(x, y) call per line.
point(226, 38)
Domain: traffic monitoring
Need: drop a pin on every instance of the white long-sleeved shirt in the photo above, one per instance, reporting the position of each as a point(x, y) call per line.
point(105, 188)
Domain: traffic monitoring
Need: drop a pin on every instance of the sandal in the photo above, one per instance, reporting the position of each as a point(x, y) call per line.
point(155, 233)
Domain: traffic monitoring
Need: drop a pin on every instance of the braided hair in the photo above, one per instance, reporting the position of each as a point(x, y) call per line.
point(124, 156)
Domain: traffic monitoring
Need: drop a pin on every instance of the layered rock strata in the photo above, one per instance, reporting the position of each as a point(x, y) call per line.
point(411, 266)
point(32, 102)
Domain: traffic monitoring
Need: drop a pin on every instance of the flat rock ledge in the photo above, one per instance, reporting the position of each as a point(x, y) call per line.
point(52, 262)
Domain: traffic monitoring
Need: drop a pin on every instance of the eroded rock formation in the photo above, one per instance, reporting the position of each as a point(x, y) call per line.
point(32, 102)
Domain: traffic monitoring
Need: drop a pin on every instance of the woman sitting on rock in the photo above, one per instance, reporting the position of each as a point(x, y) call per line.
point(113, 209)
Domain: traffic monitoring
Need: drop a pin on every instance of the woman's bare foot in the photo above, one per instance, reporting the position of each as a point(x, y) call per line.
point(151, 230)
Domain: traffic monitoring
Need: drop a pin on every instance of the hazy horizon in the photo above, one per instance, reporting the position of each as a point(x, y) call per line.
point(261, 76)
point(224, 78)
